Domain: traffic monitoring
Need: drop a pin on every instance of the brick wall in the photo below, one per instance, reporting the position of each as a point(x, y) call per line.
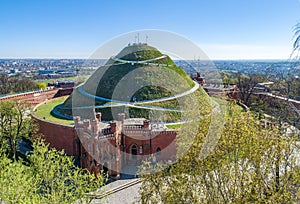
point(36, 97)
point(164, 140)
point(59, 136)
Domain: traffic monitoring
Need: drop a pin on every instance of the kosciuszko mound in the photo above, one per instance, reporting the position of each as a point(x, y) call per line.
point(141, 82)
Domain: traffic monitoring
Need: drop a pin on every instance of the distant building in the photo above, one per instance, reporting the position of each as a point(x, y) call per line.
point(221, 90)
point(216, 89)
point(263, 87)
point(45, 71)
point(198, 78)
point(62, 84)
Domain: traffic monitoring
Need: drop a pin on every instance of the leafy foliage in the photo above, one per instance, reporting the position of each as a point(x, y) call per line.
point(10, 85)
point(296, 44)
point(17, 182)
point(41, 85)
point(250, 164)
point(45, 175)
point(49, 177)
point(14, 125)
point(246, 85)
point(59, 180)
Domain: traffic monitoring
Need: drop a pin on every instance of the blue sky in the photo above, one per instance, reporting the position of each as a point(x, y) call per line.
point(224, 29)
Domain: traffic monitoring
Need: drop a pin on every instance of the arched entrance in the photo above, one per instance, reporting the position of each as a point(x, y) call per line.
point(158, 151)
point(105, 168)
point(134, 151)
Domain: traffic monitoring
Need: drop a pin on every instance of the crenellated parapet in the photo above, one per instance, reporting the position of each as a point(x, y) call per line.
point(163, 132)
point(103, 143)
point(93, 126)
point(100, 143)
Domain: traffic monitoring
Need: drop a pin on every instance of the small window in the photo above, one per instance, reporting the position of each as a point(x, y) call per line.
point(158, 150)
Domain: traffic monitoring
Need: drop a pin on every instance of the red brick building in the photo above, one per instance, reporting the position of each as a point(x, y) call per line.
point(111, 146)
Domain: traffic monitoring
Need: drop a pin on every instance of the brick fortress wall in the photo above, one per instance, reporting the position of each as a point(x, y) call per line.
point(111, 147)
point(108, 141)
point(37, 97)
point(59, 136)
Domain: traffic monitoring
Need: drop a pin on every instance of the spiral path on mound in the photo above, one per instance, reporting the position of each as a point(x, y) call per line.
point(118, 103)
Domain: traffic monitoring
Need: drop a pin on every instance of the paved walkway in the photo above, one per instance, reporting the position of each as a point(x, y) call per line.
point(118, 103)
point(279, 97)
point(127, 196)
point(139, 61)
point(192, 90)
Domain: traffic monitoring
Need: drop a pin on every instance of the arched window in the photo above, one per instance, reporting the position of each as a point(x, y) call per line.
point(158, 150)
point(134, 151)
point(105, 168)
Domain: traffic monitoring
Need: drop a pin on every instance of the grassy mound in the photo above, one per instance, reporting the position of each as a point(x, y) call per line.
point(146, 74)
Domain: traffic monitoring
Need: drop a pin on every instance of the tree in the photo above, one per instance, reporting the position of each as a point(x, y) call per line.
point(296, 44)
point(45, 175)
point(246, 86)
point(59, 180)
point(49, 177)
point(250, 164)
point(15, 124)
point(17, 182)
point(14, 84)
point(41, 85)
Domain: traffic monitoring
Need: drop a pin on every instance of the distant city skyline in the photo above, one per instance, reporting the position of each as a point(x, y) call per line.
point(231, 29)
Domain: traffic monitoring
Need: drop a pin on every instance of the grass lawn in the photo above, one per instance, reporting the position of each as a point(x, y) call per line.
point(177, 126)
point(44, 111)
point(46, 81)
point(224, 103)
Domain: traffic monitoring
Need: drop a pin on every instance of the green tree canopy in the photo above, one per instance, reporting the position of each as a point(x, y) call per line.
point(41, 85)
point(45, 175)
point(250, 163)
point(49, 177)
point(15, 124)
point(296, 44)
